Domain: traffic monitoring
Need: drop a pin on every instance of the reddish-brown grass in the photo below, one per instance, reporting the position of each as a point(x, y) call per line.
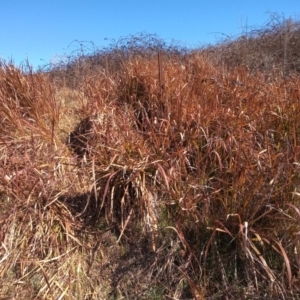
point(121, 188)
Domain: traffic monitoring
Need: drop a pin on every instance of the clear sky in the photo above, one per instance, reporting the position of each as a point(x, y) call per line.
point(40, 30)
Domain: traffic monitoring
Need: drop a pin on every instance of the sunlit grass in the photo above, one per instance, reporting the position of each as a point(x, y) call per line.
point(120, 188)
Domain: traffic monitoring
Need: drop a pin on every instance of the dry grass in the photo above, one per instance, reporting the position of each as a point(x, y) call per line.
point(134, 186)
point(272, 48)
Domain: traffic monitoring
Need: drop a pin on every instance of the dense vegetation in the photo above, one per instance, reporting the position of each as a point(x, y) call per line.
point(149, 171)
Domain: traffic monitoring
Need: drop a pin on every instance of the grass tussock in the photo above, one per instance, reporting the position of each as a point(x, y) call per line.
point(272, 48)
point(162, 178)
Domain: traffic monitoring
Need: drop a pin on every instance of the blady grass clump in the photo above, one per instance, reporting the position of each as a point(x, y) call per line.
point(146, 171)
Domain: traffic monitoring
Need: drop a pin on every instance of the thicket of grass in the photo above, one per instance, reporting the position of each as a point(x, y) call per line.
point(125, 178)
point(272, 48)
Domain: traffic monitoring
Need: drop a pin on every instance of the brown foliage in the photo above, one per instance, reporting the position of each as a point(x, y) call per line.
point(133, 185)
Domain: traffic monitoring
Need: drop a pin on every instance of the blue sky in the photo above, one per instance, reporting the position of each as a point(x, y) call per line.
point(41, 30)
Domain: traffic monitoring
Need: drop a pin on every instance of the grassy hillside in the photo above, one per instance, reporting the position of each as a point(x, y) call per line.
point(148, 171)
point(273, 48)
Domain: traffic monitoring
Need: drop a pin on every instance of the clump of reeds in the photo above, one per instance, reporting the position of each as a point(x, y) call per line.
point(36, 168)
point(171, 177)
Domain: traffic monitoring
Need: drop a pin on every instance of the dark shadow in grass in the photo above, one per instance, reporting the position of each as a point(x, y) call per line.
point(83, 207)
